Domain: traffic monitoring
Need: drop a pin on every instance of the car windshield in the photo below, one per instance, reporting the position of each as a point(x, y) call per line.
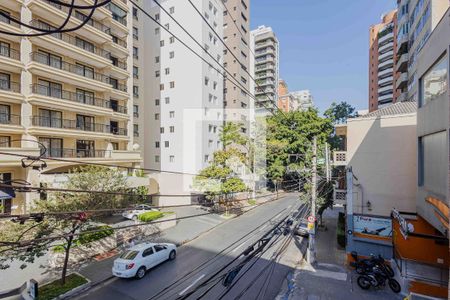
point(129, 255)
point(303, 225)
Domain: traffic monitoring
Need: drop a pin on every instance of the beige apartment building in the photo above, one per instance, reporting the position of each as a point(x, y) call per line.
point(236, 34)
point(70, 92)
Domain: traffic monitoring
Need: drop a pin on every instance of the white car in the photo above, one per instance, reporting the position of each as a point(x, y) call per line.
point(135, 261)
point(136, 211)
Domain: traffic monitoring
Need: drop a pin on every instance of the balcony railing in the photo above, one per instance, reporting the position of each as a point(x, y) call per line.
point(76, 153)
point(119, 108)
point(119, 41)
point(119, 131)
point(4, 19)
point(69, 124)
point(120, 64)
point(81, 17)
point(6, 85)
point(119, 86)
point(72, 40)
point(66, 95)
point(9, 119)
point(9, 52)
point(62, 65)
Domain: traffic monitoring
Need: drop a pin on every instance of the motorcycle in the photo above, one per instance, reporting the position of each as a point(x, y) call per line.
point(377, 278)
point(363, 266)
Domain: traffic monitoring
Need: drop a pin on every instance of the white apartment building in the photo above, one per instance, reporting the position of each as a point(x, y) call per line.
point(416, 20)
point(266, 69)
point(303, 100)
point(68, 91)
point(182, 95)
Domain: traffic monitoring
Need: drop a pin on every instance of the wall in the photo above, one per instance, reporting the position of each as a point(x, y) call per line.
point(382, 153)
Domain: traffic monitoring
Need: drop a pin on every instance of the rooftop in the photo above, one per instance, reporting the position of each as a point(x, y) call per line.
point(399, 108)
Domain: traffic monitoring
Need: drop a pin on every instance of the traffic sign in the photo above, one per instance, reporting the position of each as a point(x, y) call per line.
point(311, 219)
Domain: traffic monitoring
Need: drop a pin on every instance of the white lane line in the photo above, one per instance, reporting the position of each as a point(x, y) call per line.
point(235, 249)
point(262, 228)
point(192, 284)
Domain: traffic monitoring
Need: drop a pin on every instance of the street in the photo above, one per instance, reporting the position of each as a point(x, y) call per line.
point(202, 257)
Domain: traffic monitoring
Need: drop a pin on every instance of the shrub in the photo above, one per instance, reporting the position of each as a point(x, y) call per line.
point(54, 288)
point(252, 202)
point(150, 216)
point(86, 238)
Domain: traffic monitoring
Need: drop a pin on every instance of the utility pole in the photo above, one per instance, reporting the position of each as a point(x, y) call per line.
point(311, 254)
point(327, 162)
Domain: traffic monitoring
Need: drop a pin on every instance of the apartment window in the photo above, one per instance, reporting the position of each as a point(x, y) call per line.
point(166, 144)
point(432, 172)
point(157, 144)
point(83, 96)
point(135, 91)
point(167, 71)
point(135, 52)
point(161, 87)
point(172, 129)
point(161, 130)
point(206, 80)
point(135, 13)
point(4, 19)
point(433, 85)
point(172, 158)
point(167, 26)
point(172, 114)
point(210, 98)
point(171, 40)
point(156, 59)
point(157, 73)
point(157, 30)
point(136, 111)
point(44, 87)
point(215, 85)
point(157, 158)
point(84, 44)
point(135, 72)
point(135, 33)
point(156, 102)
point(54, 146)
point(167, 100)
point(161, 43)
point(5, 141)
point(47, 118)
point(206, 159)
point(172, 84)
point(135, 130)
point(84, 70)
point(171, 54)
point(157, 17)
point(156, 116)
point(172, 10)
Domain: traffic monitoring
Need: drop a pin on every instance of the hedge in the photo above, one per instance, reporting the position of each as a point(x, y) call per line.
point(86, 238)
point(150, 216)
point(55, 289)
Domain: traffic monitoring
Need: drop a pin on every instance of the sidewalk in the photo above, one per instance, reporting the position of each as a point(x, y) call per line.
point(330, 278)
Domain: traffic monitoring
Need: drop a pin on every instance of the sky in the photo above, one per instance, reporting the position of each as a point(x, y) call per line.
point(324, 45)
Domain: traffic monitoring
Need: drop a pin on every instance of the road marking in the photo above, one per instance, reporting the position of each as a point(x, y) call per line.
point(235, 249)
point(192, 284)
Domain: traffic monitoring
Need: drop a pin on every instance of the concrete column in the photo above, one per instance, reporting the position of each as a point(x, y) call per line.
point(349, 215)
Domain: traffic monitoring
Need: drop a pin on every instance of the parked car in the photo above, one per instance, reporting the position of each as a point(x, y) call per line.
point(302, 229)
point(137, 260)
point(133, 213)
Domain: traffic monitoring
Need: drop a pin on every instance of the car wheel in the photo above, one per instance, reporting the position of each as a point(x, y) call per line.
point(140, 273)
point(172, 255)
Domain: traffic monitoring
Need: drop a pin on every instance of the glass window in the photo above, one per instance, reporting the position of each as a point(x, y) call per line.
point(129, 255)
point(159, 248)
point(434, 83)
point(147, 252)
point(5, 141)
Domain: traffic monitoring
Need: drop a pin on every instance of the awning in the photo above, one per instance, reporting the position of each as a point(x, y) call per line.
point(7, 193)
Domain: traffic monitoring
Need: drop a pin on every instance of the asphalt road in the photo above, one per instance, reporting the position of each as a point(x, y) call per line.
point(201, 258)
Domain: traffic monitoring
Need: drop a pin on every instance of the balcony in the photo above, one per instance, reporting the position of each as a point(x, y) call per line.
point(64, 70)
point(117, 47)
point(119, 70)
point(94, 30)
point(385, 88)
point(10, 59)
point(402, 63)
point(384, 99)
point(402, 81)
point(383, 81)
point(10, 92)
point(402, 97)
point(119, 90)
point(73, 47)
point(76, 153)
point(118, 108)
point(340, 158)
point(386, 55)
point(10, 123)
point(9, 26)
point(387, 47)
point(385, 72)
point(402, 44)
point(71, 100)
point(388, 63)
point(69, 124)
point(386, 37)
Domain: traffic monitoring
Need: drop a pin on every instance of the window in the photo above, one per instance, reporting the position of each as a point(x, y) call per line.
point(44, 87)
point(172, 40)
point(157, 30)
point(171, 54)
point(172, 129)
point(83, 96)
point(156, 116)
point(135, 91)
point(135, 130)
point(54, 146)
point(434, 83)
point(215, 85)
point(156, 102)
point(50, 59)
point(161, 130)
point(210, 142)
point(172, 114)
point(157, 17)
point(166, 144)
point(167, 26)
point(157, 158)
point(135, 72)
point(161, 43)
point(167, 71)
point(147, 252)
point(83, 44)
point(5, 141)
point(167, 100)
point(172, 84)
point(84, 70)
point(432, 169)
point(47, 118)
point(136, 111)
point(206, 159)
point(172, 10)
point(135, 13)
point(161, 87)
point(157, 144)
point(157, 73)
point(206, 80)
point(172, 158)
point(135, 52)
point(135, 33)
point(156, 59)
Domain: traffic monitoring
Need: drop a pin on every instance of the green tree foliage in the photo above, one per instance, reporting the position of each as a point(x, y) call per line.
point(338, 113)
point(68, 226)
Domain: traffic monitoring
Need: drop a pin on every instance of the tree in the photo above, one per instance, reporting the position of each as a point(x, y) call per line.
point(70, 225)
point(339, 113)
